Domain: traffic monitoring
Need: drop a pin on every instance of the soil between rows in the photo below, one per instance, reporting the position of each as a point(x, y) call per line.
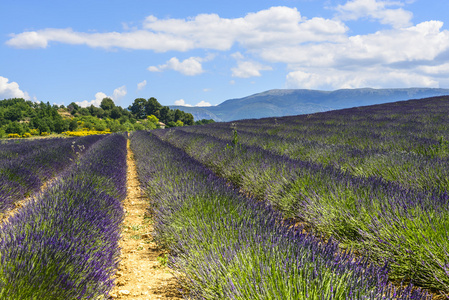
point(141, 272)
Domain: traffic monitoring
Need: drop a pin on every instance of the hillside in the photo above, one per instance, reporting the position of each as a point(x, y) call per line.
point(285, 102)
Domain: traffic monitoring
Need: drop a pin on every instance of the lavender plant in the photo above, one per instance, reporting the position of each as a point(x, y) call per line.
point(227, 246)
point(25, 166)
point(376, 207)
point(64, 244)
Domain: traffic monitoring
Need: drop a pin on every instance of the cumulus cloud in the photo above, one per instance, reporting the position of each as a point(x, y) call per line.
point(203, 104)
point(154, 69)
point(182, 102)
point(205, 31)
point(11, 90)
point(95, 102)
point(138, 39)
point(117, 94)
point(141, 85)
point(246, 69)
point(376, 77)
point(376, 10)
point(310, 47)
point(374, 57)
point(190, 66)
point(425, 41)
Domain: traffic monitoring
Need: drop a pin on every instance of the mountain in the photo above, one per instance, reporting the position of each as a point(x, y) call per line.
point(288, 102)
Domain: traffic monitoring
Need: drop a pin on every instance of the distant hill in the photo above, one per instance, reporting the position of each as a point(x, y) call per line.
point(288, 102)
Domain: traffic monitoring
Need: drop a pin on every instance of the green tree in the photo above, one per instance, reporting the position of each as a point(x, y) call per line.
point(116, 113)
point(83, 111)
point(153, 107)
point(171, 124)
point(96, 111)
point(163, 114)
point(61, 125)
point(188, 119)
point(13, 113)
point(139, 126)
point(15, 127)
point(73, 125)
point(153, 119)
point(107, 104)
point(2, 118)
point(138, 108)
point(204, 121)
point(73, 108)
point(44, 124)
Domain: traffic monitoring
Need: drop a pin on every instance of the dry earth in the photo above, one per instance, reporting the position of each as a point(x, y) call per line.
point(141, 273)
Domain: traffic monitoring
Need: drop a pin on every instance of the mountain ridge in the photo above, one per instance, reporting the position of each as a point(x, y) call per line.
point(287, 102)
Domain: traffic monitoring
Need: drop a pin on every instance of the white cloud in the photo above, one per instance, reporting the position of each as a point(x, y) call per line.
point(190, 66)
point(141, 85)
point(246, 69)
point(319, 52)
point(96, 102)
point(119, 93)
point(181, 102)
point(377, 77)
point(420, 44)
point(153, 69)
point(264, 28)
point(31, 39)
point(139, 39)
point(237, 56)
point(11, 90)
point(377, 10)
point(442, 70)
point(116, 95)
point(203, 104)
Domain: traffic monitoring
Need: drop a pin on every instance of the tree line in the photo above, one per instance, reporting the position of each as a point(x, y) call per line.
point(23, 116)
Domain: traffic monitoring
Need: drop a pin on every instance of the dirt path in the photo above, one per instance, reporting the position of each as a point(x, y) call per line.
point(141, 273)
point(18, 205)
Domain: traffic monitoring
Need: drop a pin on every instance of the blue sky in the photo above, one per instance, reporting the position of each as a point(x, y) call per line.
point(205, 52)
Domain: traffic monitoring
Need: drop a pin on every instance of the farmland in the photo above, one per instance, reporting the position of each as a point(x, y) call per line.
point(347, 204)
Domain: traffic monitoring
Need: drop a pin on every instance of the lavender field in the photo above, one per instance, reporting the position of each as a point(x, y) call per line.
point(375, 178)
point(348, 204)
point(63, 243)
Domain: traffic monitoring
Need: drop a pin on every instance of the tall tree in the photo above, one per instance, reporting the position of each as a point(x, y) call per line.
point(107, 104)
point(153, 107)
point(138, 108)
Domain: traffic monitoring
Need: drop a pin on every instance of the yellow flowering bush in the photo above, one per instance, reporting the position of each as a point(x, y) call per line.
point(85, 132)
point(26, 135)
point(45, 133)
point(13, 135)
point(34, 131)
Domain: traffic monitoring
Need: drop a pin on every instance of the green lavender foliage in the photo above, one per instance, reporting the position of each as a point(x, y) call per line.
point(375, 178)
point(227, 246)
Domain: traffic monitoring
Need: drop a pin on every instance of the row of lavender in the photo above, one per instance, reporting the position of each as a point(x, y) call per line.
point(25, 166)
point(412, 126)
point(393, 224)
point(227, 246)
point(405, 142)
point(64, 243)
